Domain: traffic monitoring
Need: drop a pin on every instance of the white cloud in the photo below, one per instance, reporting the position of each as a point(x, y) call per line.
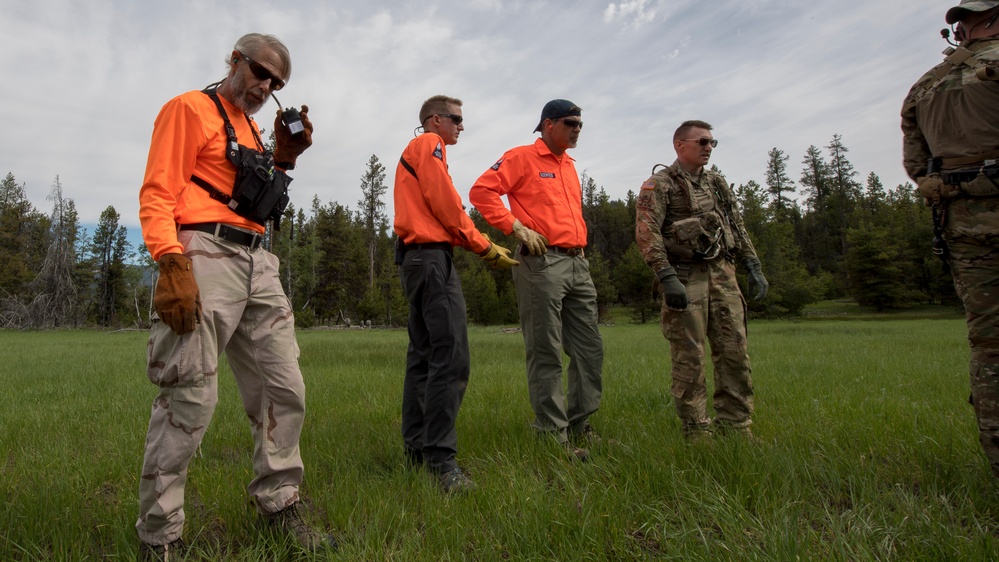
point(636, 11)
point(87, 78)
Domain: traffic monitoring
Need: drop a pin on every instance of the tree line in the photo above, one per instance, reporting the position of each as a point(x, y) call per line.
point(825, 236)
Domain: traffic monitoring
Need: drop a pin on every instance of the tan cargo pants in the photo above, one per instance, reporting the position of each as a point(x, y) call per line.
point(717, 313)
point(247, 315)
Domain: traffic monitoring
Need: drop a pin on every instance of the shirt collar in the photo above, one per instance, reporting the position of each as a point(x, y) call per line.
point(543, 150)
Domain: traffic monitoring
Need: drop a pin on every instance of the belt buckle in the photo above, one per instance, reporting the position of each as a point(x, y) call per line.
point(255, 241)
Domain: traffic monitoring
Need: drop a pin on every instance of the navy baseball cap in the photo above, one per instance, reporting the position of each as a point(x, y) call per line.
point(556, 109)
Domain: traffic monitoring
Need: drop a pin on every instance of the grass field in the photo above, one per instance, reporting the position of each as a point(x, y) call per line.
point(867, 450)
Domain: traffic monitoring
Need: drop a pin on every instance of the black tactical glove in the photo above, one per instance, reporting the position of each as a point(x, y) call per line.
point(758, 285)
point(673, 290)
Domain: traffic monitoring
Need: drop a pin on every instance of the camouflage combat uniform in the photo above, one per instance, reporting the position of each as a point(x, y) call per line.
point(952, 113)
point(716, 309)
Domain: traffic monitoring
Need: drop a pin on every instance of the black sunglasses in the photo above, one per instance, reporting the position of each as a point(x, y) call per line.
point(572, 123)
point(456, 119)
point(262, 73)
point(703, 141)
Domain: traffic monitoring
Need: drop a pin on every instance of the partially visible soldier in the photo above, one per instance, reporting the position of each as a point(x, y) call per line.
point(950, 123)
point(691, 234)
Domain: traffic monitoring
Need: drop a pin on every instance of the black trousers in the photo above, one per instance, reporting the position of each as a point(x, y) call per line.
point(437, 361)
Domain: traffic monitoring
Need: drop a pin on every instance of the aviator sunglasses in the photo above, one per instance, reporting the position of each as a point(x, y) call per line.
point(703, 141)
point(262, 73)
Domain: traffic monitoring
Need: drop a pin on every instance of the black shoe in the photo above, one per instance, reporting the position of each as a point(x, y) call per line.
point(455, 481)
point(169, 552)
point(290, 521)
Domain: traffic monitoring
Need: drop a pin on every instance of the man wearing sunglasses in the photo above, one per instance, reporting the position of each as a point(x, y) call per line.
point(429, 221)
point(555, 294)
point(690, 232)
point(950, 148)
point(218, 290)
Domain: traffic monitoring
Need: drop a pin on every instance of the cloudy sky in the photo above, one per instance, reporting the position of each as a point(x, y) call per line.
point(84, 80)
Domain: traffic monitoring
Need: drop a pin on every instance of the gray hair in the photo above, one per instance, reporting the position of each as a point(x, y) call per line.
point(253, 43)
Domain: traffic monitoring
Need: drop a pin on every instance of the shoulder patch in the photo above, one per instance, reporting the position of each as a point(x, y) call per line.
point(547, 175)
point(439, 152)
point(648, 185)
point(495, 167)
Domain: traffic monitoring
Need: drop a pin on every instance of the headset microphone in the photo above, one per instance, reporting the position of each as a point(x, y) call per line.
point(945, 33)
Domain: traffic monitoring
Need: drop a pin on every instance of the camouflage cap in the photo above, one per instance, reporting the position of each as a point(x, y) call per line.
point(957, 13)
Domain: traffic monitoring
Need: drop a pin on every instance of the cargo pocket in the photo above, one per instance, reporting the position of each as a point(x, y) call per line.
point(176, 361)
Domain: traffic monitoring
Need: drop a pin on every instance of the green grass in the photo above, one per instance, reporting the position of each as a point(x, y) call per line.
point(867, 450)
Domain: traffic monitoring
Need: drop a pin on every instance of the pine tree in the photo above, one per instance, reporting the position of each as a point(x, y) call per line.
point(110, 249)
point(372, 212)
point(779, 185)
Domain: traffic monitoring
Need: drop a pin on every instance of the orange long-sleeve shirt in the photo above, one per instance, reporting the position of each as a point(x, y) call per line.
point(543, 191)
point(189, 138)
point(429, 209)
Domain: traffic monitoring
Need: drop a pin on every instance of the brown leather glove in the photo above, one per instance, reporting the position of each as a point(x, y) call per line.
point(287, 147)
point(177, 300)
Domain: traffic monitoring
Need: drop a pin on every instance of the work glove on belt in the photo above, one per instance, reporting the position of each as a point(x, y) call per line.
point(535, 243)
point(497, 257)
point(673, 290)
point(758, 285)
point(288, 147)
point(177, 300)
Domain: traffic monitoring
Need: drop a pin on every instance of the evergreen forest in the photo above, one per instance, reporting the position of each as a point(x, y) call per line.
point(829, 234)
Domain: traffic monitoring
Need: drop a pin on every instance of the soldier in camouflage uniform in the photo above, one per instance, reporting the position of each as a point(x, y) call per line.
point(691, 234)
point(950, 122)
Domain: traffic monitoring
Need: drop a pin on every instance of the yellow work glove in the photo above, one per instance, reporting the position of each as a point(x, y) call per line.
point(535, 243)
point(497, 257)
point(287, 147)
point(177, 300)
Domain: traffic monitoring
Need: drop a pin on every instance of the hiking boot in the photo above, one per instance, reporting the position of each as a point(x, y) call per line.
point(576, 453)
point(697, 432)
point(290, 521)
point(740, 429)
point(162, 552)
point(698, 436)
point(586, 435)
point(455, 481)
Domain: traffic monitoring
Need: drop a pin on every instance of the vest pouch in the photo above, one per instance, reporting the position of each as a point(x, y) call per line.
point(260, 191)
point(685, 232)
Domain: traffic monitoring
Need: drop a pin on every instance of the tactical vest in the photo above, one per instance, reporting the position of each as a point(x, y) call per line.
point(699, 229)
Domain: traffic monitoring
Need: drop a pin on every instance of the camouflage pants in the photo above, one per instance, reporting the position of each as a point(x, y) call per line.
point(972, 235)
point(558, 311)
point(717, 312)
point(247, 315)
